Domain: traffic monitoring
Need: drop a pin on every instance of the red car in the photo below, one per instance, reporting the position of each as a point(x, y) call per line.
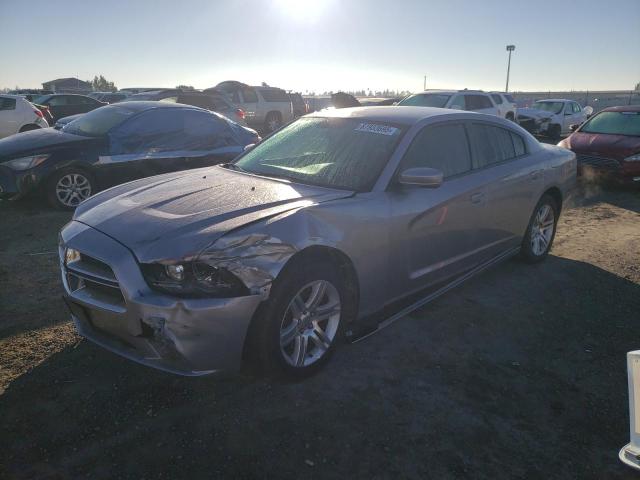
point(608, 144)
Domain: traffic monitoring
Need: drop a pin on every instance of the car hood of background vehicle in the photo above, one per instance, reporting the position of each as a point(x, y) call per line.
point(174, 216)
point(604, 145)
point(36, 141)
point(534, 113)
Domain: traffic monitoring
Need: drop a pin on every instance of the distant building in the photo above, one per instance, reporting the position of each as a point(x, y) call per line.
point(67, 85)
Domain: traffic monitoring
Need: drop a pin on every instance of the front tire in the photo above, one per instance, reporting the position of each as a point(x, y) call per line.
point(541, 231)
point(302, 321)
point(273, 122)
point(554, 132)
point(68, 187)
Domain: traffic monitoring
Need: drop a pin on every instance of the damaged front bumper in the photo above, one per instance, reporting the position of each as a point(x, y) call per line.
point(15, 184)
point(112, 305)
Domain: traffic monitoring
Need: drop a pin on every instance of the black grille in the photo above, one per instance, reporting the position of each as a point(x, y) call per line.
point(95, 280)
point(598, 162)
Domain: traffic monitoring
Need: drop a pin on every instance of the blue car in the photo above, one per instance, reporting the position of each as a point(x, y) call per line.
point(115, 144)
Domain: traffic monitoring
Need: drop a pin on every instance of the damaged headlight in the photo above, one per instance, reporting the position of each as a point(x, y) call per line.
point(25, 163)
point(194, 280)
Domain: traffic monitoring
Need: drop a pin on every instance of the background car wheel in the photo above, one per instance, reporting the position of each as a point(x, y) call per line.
point(298, 329)
point(541, 230)
point(554, 132)
point(273, 122)
point(29, 127)
point(510, 116)
point(68, 187)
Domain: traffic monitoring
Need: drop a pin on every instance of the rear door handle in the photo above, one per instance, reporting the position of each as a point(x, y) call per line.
point(477, 197)
point(535, 175)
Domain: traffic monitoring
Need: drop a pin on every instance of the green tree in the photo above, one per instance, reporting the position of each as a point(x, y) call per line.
point(185, 87)
point(637, 87)
point(101, 84)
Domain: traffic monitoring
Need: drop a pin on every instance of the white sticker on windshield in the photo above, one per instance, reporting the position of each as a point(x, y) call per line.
point(375, 128)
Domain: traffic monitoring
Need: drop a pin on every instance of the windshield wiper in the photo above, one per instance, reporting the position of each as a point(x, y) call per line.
point(233, 166)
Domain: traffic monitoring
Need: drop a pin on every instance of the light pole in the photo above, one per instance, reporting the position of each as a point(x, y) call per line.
point(510, 48)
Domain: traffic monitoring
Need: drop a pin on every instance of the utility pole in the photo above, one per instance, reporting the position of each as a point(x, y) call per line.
point(510, 48)
point(425, 83)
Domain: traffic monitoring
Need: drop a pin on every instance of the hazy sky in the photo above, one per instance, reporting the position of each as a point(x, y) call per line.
point(318, 45)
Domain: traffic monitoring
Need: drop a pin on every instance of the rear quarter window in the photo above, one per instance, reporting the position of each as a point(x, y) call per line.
point(497, 99)
point(7, 103)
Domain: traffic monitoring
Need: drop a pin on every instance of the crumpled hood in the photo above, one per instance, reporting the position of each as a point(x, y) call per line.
point(175, 216)
point(601, 145)
point(534, 113)
point(41, 140)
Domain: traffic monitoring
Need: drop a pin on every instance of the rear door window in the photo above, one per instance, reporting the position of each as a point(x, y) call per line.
point(478, 102)
point(274, 95)
point(458, 103)
point(249, 95)
point(490, 144)
point(443, 147)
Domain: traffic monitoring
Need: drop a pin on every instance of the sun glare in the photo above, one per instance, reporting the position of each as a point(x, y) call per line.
point(302, 10)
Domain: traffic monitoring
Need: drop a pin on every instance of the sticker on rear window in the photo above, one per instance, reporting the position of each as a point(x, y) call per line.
point(375, 128)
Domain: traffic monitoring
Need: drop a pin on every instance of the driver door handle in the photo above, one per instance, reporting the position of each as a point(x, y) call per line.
point(477, 198)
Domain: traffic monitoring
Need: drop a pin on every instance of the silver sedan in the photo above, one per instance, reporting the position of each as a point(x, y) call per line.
point(332, 227)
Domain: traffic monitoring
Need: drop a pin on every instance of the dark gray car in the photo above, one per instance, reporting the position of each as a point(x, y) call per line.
point(336, 225)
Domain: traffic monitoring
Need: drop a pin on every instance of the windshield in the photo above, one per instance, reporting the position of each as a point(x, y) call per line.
point(438, 100)
point(343, 153)
point(553, 107)
point(97, 122)
point(40, 99)
point(614, 123)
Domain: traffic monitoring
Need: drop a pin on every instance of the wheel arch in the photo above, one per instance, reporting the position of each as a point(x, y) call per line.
point(555, 193)
point(29, 126)
point(336, 257)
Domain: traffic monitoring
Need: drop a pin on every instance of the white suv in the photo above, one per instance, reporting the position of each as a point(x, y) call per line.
point(506, 104)
point(19, 115)
point(470, 100)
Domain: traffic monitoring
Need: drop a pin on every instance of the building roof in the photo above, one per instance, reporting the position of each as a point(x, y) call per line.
point(69, 81)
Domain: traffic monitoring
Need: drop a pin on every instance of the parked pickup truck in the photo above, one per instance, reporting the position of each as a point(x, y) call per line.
point(266, 108)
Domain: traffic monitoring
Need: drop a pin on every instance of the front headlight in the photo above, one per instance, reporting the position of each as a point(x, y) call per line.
point(25, 163)
point(193, 279)
point(633, 158)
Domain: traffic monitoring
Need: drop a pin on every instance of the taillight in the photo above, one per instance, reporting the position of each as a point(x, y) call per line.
point(39, 113)
point(240, 113)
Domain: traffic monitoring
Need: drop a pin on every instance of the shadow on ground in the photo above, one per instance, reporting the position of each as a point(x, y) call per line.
point(520, 373)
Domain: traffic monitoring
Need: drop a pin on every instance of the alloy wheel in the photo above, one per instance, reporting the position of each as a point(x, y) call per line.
point(310, 323)
point(542, 229)
point(72, 189)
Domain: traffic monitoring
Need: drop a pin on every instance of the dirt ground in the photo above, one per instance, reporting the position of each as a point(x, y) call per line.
point(519, 373)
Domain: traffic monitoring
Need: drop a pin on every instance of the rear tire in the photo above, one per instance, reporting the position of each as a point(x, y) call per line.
point(273, 122)
point(300, 325)
point(541, 230)
point(29, 127)
point(510, 117)
point(68, 187)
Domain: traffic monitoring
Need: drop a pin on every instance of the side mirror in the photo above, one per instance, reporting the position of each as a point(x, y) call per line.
point(588, 110)
point(568, 113)
point(421, 176)
point(574, 127)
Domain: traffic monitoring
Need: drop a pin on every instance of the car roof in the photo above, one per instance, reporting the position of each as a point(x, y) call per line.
point(400, 115)
point(623, 108)
point(142, 105)
point(554, 100)
point(11, 95)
